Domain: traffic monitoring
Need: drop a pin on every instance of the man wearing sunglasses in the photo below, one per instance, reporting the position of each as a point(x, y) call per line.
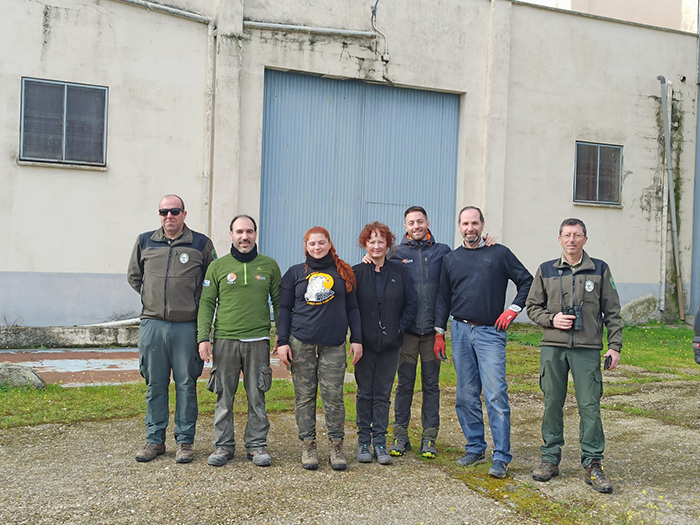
point(167, 268)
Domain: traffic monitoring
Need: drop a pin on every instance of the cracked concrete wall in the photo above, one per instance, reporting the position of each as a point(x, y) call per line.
point(532, 81)
point(591, 80)
point(72, 230)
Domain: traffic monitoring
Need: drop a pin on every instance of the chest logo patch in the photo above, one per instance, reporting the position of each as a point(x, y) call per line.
point(260, 277)
point(407, 261)
point(231, 278)
point(206, 282)
point(589, 286)
point(319, 288)
point(184, 258)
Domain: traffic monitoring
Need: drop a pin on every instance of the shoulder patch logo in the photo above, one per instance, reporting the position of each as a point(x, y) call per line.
point(612, 282)
point(184, 258)
point(231, 278)
point(589, 286)
point(206, 282)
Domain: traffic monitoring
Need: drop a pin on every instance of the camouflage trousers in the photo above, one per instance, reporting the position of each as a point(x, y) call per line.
point(317, 367)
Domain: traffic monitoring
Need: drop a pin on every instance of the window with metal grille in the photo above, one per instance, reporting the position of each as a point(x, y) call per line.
point(598, 175)
point(63, 122)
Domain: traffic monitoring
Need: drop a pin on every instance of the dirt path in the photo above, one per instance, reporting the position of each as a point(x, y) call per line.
point(85, 473)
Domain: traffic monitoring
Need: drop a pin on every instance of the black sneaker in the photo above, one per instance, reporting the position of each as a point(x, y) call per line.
point(363, 454)
point(471, 458)
point(383, 457)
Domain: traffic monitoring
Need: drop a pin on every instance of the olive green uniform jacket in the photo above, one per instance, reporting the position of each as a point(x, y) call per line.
point(169, 273)
point(590, 285)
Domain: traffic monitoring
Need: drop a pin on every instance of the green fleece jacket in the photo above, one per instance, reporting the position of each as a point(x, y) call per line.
point(239, 292)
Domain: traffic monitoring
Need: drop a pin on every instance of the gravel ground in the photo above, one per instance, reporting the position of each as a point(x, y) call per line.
point(86, 473)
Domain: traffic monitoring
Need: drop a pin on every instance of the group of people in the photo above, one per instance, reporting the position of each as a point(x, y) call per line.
point(395, 304)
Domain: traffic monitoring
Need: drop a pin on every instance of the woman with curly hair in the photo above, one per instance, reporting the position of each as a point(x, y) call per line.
point(388, 304)
point(318, 302)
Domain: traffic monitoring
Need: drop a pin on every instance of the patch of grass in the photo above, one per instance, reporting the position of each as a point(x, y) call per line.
point(525, 498)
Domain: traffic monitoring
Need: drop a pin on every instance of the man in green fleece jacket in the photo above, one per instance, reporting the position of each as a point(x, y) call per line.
point(237, 289)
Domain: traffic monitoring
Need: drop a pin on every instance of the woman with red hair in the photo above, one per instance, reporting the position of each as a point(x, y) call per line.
point(318, 302)
point(388, 304)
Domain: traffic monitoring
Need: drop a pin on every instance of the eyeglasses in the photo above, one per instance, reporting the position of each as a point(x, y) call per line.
point(174, 211)
point(577, 236)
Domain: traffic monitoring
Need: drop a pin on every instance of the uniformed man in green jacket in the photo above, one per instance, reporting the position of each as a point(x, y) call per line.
point(167, 268)
point(237, 287)
point(571, 298)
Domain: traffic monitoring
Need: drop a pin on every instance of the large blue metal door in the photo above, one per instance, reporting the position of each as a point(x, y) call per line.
point(339, 154)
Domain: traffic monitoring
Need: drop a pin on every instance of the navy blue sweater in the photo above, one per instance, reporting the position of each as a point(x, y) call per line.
point(473, 284)
point(315, 308)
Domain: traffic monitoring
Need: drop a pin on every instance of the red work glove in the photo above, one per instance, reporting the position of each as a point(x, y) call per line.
point(439, 347)
point(505, 319)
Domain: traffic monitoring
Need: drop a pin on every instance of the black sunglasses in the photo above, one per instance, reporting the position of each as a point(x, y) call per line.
point(174, 211)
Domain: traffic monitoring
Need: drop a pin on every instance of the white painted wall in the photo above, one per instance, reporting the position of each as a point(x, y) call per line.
point(532, 82)
point(590, 80)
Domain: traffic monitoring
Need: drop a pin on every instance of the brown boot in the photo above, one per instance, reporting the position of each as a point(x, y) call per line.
point(184, 453)
point(596, 478)
point(309, 455)
point(337, 456)
point(545, 471)
point(150, 451)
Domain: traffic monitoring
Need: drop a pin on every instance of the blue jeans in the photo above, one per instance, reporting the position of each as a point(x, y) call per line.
point(479, 355)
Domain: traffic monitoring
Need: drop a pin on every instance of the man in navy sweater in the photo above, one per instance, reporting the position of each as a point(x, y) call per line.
point(473, 284)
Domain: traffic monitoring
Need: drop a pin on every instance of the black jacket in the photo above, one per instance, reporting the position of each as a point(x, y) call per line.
point(423, 261)
point(399, 305)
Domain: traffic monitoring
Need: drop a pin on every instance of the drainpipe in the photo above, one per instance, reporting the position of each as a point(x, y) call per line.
point(695, 269)
point(671, 194)
point(209, 127)
point(287, 28)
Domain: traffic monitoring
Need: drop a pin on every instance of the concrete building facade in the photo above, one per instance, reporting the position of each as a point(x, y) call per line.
point(541, 90)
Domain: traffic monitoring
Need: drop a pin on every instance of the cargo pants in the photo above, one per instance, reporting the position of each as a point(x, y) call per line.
point(584, 363)
point(166, 346)
point(315, 368)
point(229, 357)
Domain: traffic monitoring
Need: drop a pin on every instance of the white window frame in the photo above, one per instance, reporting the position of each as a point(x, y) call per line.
point(63, 159)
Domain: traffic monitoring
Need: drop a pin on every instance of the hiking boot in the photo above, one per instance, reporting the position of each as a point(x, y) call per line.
point(219, 457)
point(184, 453)
point(363, 455)
point(337, 457)
point(150, 451)
point(309, 454)
point(427, 448)
point(545, 471)
point(471, 458)
point(383, 457)
point(596, 477)
point(400, 445)
point(498, 469)
point(260, 457)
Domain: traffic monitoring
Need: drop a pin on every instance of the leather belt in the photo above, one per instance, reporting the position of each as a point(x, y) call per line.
point(466, 321)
